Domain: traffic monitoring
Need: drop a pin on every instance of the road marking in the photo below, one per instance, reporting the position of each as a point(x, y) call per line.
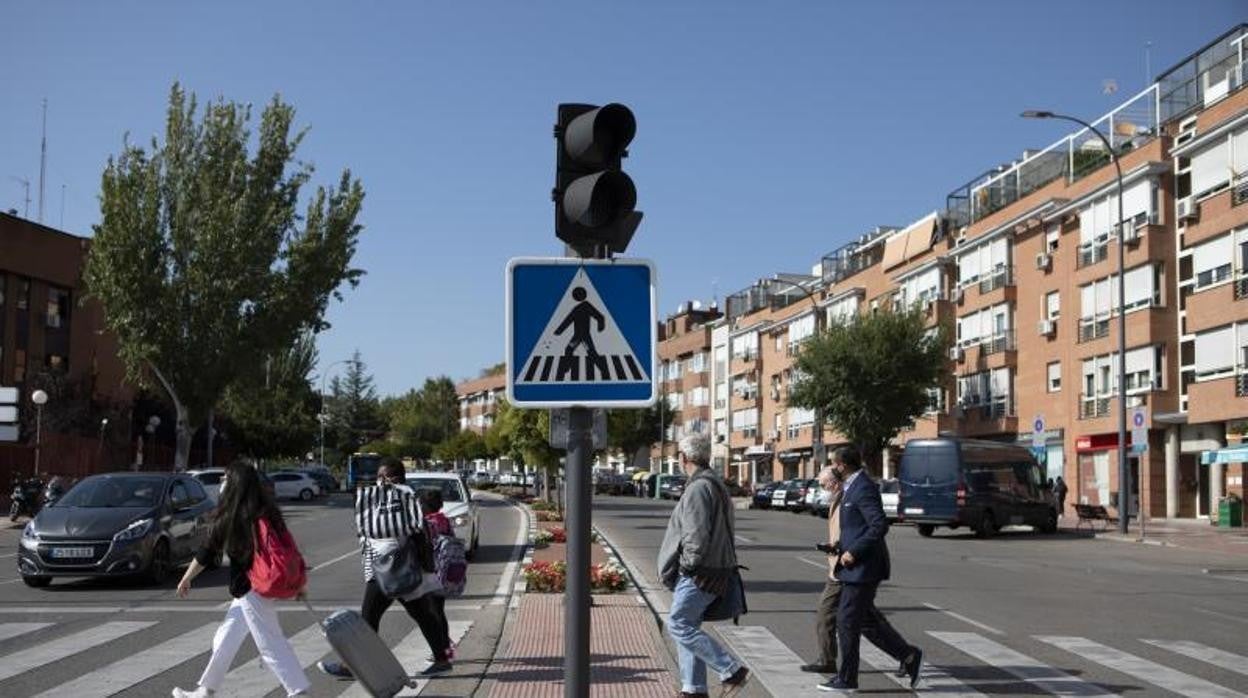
point(254, 679)
point(119, 676)
point(1205, 653)
point(777, 667)
point(1140, 668)
point(208, 608)
point(8, 555)
point(812, 563)
point(411, 653)
point(964, 619)
point(1225, 616)
point(743, 539)
point(933, 680)
point(60, 648)
point(1030, 670)
point(340, 558)
point(507, 581)
point(11, 630)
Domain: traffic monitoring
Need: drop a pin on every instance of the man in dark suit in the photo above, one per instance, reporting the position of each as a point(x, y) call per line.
point(862, 565)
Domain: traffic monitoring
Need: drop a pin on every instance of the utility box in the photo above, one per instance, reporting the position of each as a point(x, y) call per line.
point(1230, 512)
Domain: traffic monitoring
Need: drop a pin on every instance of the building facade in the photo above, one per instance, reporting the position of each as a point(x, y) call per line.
point(478, 401)
point(684, 374)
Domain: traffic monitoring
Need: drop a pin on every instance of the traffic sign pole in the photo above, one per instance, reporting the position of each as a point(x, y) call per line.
point(577, 606)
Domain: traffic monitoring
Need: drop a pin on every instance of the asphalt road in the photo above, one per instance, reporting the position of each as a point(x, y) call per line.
point(1019, 614)
point(116, 637)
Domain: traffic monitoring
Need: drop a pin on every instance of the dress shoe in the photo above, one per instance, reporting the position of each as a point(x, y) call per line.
point(914, 666)
point(836, 685)
point(819, 668)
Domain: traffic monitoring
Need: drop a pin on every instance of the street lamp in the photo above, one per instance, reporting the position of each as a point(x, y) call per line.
point(321, 416)
point(40, 398)
point(1123, 488)
point(153, 423)
point(816, 428)
point(103, 426)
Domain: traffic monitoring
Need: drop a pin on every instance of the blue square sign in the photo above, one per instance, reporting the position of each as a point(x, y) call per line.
point(580, 332)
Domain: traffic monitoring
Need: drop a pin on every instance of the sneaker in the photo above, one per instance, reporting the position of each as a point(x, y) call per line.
point(901, 672)
point(734, 683)
point(687, 694)
point(819, 668)
point(836, 685)
point(914, 666)
point(200, 692)
point(436, 668)
point(335, 669)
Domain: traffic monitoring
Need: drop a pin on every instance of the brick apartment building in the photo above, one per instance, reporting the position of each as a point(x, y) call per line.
point(478, 401)
point(684, 375)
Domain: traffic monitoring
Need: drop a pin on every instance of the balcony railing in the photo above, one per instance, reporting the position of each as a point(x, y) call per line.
point(1241, 288)
point(998, 278)
point(1241, 385)
point(1090, 254)
point(996, 344)
point(1239, 189)
point(1090, 329)
point(1093, 407)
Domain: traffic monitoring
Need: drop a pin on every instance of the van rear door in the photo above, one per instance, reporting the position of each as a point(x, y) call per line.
point(929, 482)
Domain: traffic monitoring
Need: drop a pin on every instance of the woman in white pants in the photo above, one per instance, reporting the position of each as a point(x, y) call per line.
point(243, 503)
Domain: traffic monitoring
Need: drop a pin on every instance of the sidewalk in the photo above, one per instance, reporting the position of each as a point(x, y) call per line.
point(1193, 534)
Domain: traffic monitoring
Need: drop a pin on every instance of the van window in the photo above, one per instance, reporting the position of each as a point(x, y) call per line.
point(935, 464)
point(988, 477)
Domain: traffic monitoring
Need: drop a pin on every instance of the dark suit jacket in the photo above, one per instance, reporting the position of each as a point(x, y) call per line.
point(863, 526)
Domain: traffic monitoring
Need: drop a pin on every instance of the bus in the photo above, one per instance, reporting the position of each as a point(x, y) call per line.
point(362, 469)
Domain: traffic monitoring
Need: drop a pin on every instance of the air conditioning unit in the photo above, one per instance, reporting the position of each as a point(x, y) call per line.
point(957, 295)
point(1044, 261)
point(1187, 209)
point(1047, 328)
point(955, 353)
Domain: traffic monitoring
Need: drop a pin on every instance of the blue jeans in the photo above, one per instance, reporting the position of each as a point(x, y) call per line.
point(695, 649)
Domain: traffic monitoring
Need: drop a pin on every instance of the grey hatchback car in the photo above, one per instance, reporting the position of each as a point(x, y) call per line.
point(117, 524)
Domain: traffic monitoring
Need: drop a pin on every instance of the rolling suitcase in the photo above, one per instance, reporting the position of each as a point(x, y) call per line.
point(364, 653)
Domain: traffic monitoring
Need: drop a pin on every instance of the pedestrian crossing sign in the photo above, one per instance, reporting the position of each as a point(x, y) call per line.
point(580, 332)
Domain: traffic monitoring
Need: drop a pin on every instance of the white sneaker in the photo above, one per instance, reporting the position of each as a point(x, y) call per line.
point(201, 692)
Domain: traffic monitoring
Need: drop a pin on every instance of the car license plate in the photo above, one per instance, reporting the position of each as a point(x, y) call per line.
point(72, 552)
point(914, 510)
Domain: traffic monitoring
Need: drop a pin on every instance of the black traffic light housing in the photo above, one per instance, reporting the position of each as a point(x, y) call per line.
point(594, 198)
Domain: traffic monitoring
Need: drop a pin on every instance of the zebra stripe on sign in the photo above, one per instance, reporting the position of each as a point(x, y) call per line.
point(1030, 670)
point(1140, 668)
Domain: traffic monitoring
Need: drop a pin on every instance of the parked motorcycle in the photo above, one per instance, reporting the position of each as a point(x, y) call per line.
point(25, 498)
point(55, 489)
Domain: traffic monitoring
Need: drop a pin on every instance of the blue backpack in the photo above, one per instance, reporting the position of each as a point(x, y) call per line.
point(451, 562)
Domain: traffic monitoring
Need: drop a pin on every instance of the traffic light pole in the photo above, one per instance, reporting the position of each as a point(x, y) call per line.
point(578, 603)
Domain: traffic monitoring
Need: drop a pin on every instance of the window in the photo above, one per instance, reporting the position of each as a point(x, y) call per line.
point(745, 346)
point(178, 496)
point(801, 329)
point(921, 287)
point(23, 294)
point(1051, 237)
point(987, 324)
point(985, 262)
point(1210, 168)
point(841, 311)
point(196, 490)
point(1055, 376)
point(1052, 305)
point(1097, 220)
point(58, 308)
point(1211, 261)
point(1215, 352)
point(698, 363)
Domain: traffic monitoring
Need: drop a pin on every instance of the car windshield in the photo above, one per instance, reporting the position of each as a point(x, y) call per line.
point(102, 492)
point(449, 488)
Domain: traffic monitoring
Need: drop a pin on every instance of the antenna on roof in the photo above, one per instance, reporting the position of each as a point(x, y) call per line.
point(1148, 63)
point(43, 156)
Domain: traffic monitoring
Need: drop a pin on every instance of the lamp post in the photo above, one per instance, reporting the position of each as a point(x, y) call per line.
point(816, 428)
point(1124, 495)
point(103, 427)
point(321, 416)
point(40, 398)
point(153, 423)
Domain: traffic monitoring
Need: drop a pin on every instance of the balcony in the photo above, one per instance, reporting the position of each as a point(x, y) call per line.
point(1241, 384)
point(1093, 407)
point(1241, 288)
point(1239, 189)
point(998, 278)
point(1090, 329)
point(998, 343)
point(1092, 253)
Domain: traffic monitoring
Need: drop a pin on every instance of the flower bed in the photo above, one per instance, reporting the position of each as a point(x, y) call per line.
point(607, 578)
point(546, 577)
point(543, 539)
point(544, 515)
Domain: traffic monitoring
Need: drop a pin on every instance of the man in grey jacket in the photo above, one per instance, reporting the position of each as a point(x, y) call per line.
point(696, 562)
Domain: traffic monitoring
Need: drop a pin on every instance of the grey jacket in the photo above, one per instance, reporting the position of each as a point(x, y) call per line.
point(699, 537)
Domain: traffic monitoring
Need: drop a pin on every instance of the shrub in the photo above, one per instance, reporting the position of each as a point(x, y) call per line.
point(559, 535)
point(542, 506)
point(546, 577)
point(543, 539)
point(548, 516)
point(608, 578)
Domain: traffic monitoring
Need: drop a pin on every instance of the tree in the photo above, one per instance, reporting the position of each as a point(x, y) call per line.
point(273, 407)
point(629, 431)
point(871, 376)
point(467, 445)
point(352, 411)
point(523, 434)
point(201, 259)
point(421, 418)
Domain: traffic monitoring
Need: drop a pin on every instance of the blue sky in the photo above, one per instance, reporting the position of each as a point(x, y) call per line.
point(768, 133)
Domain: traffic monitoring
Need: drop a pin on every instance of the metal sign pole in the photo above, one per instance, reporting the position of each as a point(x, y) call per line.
point(577, 602)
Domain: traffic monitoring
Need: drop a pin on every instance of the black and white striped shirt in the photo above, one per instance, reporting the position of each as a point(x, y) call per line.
point(384, 512)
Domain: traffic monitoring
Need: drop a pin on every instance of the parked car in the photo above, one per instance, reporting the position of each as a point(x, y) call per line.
point(457, 504)
point(293, 484)
point(982, 484)
point(762, 495)
point(211, 479)
point(117, 524)
point(890, 493)
point(786, 492)
point(324, 479)
point(822, 502)
point(673, 487)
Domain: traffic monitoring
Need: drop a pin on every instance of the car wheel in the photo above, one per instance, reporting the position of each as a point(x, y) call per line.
point(36, 581)
point(161, 565)
point(926, 530)
point(987, 525)
point(305, 494)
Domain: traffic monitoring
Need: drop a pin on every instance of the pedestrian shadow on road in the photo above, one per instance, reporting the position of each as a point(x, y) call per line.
point(494, 553)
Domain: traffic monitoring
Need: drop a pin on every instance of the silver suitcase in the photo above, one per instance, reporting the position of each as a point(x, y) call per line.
point(364, 653)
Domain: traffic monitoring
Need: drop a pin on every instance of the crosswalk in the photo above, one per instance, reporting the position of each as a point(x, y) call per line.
point(972, 665)
point(39, 645)
point(602, 368)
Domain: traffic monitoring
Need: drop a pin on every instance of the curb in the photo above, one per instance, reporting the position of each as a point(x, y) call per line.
point(633, 576)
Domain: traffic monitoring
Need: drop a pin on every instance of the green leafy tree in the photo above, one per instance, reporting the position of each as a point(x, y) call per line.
point(202, 260)
point(871, 375)
point(420, 418)
point(353, 412)
point(465, 446)
point(629, 431)
point(523, 435)
point(272, 408)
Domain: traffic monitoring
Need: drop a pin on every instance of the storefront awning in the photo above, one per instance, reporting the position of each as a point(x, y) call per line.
point(758, 452)
point(794, 455)
point(1234, 454)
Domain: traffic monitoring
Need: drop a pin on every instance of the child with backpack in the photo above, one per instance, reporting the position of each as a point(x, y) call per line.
point(265, 564)
point(450, 560)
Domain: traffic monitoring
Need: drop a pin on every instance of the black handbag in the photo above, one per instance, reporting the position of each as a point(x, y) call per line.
point(731, 604)
point(397, 567)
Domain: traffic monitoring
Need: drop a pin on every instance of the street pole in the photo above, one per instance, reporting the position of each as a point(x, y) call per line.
point(38, 435)
point(1124, 476)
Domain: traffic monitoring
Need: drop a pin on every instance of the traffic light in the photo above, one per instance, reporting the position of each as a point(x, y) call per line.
point(594, 198)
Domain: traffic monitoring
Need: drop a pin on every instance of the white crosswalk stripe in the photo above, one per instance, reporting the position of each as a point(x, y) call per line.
point(411, 652)
point(1140, 668)
point(933, 681)
point(771, 661)
point(1205, 653)
point(1030, 670)
point(118, 676)
point(9, 630)
point(254, 678)
point(60, 648)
